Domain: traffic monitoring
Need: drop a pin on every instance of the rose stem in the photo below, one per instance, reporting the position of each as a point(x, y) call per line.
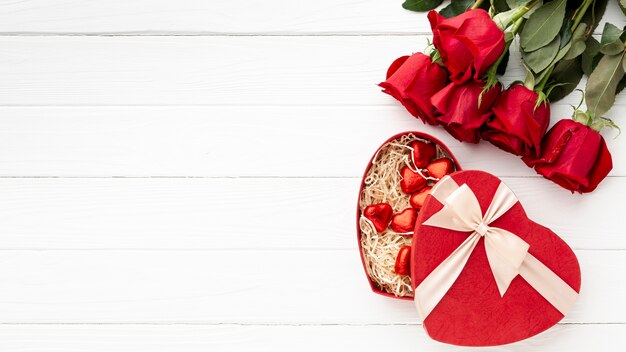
point(514, 29)
point(580, 12)
point(477, 4)
point(523, 10)
point(578, 16)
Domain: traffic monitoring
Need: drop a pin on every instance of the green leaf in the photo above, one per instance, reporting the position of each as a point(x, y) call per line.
point(541, 58)
point(456, 7)
point(421, 5)
point(611, 44)
point(578, 42)
point(612, 49)
point(590, 55)
point(562, 52)
point(543, 25)
point(541, 75)
point(622, 5)
point(558, 58)
point(610, 33)
point(565, 42)
point(566, 76)
point(566, 32)
point(602, 85)
point(564, 46)
point(624, 64)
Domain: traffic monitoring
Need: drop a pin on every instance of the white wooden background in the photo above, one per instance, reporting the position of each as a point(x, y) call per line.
point(182, 176)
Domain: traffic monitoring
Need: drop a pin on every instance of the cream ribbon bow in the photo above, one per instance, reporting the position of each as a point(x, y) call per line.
point(506, 252)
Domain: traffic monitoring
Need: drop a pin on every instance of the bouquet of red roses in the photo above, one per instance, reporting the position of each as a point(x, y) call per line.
point(455, 84)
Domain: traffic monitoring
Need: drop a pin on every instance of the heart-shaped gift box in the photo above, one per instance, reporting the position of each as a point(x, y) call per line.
point(501, 279)
point(474, 309)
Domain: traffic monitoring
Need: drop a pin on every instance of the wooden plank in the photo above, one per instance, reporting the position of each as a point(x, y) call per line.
point(280, 141)
point(318, 70)
point(146, 17)
point(231, 213)
point(188, 338)
point(237, 286)
point(197, 70)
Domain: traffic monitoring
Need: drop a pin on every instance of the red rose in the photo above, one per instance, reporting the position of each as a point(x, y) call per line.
point(413, 80)
point(458, 109)
point(574, 156)
point(517, 126)
point(468, 43)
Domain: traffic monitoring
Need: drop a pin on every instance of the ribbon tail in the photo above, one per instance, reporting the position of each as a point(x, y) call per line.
point(432, 289)
point(548, 284)
point(505, 252)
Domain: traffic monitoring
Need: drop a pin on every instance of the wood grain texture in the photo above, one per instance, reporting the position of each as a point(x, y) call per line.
point(226, 141)
point(248, 213)
point(194, 338)
point(150, 17)
point(285, 70)
point(237, 286)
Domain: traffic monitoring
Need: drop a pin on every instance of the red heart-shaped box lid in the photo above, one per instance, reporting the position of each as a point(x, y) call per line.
point(419, 135)
point(472, 312)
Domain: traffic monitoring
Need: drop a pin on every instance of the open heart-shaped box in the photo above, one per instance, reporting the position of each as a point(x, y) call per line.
point(482, 273)
point(382, 176)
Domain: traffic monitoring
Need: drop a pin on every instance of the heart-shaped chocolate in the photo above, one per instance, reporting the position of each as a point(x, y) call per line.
point(379, 214)
point(403, 261)
point(472, 312)
point(411, 180)
point(417, 199)
point(440, 167)
point(404, 222)
point(423, 153)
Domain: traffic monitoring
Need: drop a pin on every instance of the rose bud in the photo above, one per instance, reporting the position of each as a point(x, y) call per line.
point(413, 80)
point(574, 156)
point(518, 124)
point(468, 43)
point(403, 261)
point(459, 111)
